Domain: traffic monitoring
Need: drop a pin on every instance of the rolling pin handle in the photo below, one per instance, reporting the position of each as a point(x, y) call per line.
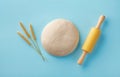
point(100, 21)
point(81, 59)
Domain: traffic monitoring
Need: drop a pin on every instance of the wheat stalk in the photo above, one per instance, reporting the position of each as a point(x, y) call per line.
point(24, 29)
point(32, 32)
point(24, 38)
point(35, 42)
point(33, 39)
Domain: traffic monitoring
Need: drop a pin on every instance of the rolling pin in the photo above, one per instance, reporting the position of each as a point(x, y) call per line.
point(91, 40)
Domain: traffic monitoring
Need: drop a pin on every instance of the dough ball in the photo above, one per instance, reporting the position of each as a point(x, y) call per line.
point(60, 37)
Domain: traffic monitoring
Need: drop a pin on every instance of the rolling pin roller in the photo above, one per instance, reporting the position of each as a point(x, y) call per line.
point(91, 39)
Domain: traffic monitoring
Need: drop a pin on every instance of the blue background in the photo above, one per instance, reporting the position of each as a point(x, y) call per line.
point(17, 59)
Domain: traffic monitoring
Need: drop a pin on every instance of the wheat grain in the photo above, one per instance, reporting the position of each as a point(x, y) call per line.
point(24, 38)
point(24, 29)
point(32, 32)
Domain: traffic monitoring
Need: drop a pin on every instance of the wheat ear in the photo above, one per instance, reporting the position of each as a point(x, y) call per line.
point(24, 29)
point(24, 38)
point(32, 32)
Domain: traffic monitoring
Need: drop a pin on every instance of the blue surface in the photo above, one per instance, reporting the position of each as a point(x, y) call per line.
point(17, 59)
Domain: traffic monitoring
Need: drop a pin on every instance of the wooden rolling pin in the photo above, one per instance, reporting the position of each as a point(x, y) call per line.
point(91, 39)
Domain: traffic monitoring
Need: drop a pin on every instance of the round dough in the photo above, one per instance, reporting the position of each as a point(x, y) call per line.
point(60, 37)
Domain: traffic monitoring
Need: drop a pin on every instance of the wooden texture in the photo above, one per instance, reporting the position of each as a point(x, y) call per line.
point(89, 44)
point(100, 21)
point(80, 60)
